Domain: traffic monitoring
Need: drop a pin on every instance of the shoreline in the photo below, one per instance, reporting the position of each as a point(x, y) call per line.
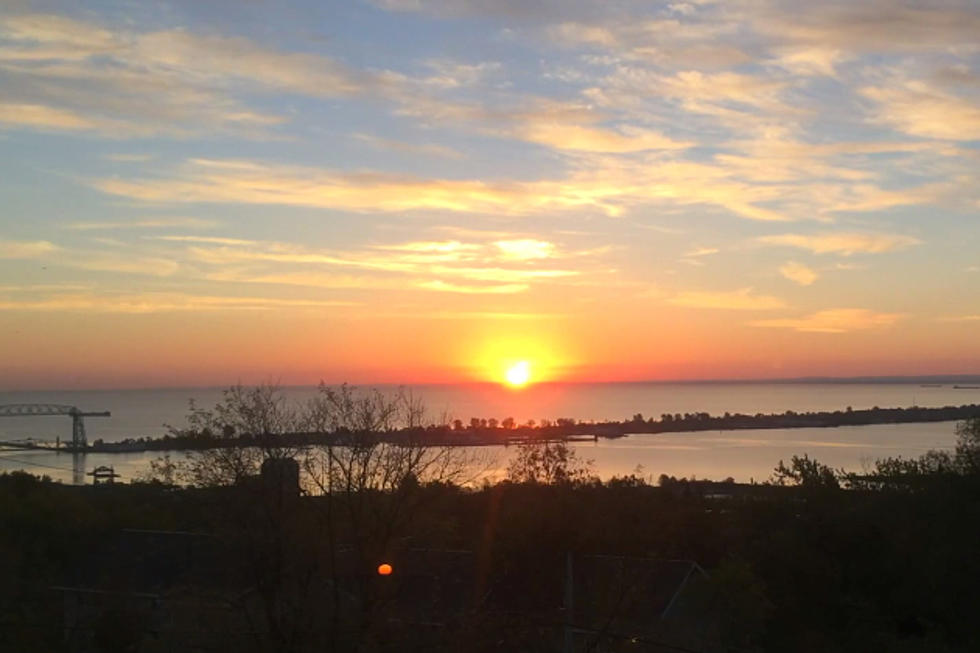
point(490, 433)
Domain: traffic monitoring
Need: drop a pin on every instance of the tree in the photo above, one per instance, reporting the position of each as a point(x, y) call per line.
point(553, 463)
point(805, 472)
point(908, 473)
point(252, 421)
point(968, 446)
point(259, 526)
point(370, 475)
point(368, 470)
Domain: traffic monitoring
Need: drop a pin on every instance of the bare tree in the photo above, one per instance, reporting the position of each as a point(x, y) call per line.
point(549, 463)
point(311, 563)
point(252, 422)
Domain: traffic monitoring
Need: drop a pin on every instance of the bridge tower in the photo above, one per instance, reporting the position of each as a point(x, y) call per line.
point(79, 441)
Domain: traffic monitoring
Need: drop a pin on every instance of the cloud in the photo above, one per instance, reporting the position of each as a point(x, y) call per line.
point(54, 255)
point(702, 92)
point(606, 184)
point(960, 318)
point(443, 286)
point(158, 302)
point(843, 243)
point(810, 60)
point(661, 41)
point(209, 240)
point(67, 74)
point(44, 118)
point(838, 320)
point(880, 26)
point(595, 139)
point(239, 182)
point(505, 275)
point(429, 246)
point(798, 273)
point(520, 11)
point(702, 251)
point(423, 149)
point(525, 249)
point(455, 74)
point(124, 157)
point(447, 266)
point(144, 223)
point(735, 101)
point(128, 264)
point(565, 125)
point(918, 109)
point(23, 249)
point(43, 287)
point(737, 300)
point(481, 315)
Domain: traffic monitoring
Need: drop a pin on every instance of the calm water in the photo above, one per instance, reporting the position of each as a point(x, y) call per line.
point(741, 454)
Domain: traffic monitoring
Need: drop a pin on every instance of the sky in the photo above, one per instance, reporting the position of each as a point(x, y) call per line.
point(413, 191)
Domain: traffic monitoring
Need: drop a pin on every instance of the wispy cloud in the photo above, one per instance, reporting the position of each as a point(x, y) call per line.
point(920, 109)
point(798, 273)
point(124, 157)
point(843, 243)
point(743, 299)
point(838, 320)
point(606, 185)
point(242, 182)
point(143, 82)
point(960, 318)
point(144, 223)
point(446, 266)
point(525, 249)
point(444, 286)
point(45, 118)
point(393, 145)
point(698, 252)
point(597, 139)
point(154, 302)
point(24, 249)
point(54, 255)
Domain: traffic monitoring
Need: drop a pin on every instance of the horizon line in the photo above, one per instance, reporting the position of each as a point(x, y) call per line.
point(803, 380)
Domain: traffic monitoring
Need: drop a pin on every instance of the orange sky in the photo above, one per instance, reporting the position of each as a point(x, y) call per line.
point(390, 192)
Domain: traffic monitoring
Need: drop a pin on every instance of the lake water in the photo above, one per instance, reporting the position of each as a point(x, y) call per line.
point(745, 455)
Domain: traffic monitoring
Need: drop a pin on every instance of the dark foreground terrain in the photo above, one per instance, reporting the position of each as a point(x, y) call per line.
point(552, 560)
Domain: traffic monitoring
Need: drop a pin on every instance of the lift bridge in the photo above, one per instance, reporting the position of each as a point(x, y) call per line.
point(78, 439)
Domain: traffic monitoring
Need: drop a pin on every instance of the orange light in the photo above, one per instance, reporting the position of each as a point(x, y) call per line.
point(517, 361)
point(519, 374)
point(384, 569)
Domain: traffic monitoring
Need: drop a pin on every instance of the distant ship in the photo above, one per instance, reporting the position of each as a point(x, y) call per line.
point(966, 387)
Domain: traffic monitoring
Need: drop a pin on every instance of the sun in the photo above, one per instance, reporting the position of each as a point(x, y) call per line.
point(519, 374)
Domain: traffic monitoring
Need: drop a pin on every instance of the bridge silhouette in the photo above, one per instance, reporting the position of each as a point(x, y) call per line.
point(78, 439)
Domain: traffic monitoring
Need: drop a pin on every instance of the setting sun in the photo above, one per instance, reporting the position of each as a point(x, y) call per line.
point(519, 374)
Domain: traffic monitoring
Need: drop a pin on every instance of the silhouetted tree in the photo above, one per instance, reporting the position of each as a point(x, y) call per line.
point(806, 472)
point(548, 463)
point(968, 446)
